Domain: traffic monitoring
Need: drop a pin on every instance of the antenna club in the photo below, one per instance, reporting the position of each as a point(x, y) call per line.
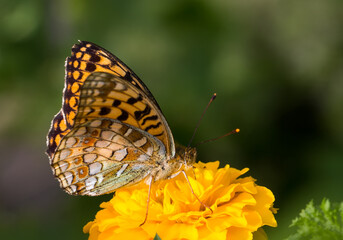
point(237, 130)
point(214, 96)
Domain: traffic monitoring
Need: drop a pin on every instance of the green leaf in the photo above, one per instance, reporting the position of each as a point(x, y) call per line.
point(319, 222)
point(157, 237)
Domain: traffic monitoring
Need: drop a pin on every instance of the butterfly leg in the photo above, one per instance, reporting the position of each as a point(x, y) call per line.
point(148, 201)
point(190, 186)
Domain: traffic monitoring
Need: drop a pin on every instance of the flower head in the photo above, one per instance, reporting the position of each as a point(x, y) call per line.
point(239, 208)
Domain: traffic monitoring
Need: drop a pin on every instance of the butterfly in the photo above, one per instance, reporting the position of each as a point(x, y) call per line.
point(110, 131)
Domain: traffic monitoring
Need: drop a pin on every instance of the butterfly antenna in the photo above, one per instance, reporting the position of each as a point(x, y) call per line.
point(202, 115)
point(237, 130)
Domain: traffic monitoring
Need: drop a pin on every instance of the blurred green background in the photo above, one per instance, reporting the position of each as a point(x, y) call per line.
point(277, 67)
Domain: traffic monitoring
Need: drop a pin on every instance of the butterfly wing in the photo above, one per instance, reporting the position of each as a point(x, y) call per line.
point(88, 58)
point(102, 155)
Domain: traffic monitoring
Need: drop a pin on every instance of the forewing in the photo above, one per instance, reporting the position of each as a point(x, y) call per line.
point(102, 155)
point(86, 59)
point(105, 95)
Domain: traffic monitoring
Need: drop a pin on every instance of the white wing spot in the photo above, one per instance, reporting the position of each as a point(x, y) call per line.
point(122, 169)
point(100, 178)
point(108, 135)
point(95, 123)
point(89, 149)
point(102, 144)
point(63, 166)
point(90, 183)
point(116, 126)
point(140, 142)
point(120, 154)
point(81, 131)
point(149, 150)
point(94, 168)
point(121, 140)
point(105, 152)
point(64, 154)
point(70, 142)
point(68, 176)
point(72, 188)
point(119, 87)
point(88, 158)
point(115, 146)
point(143, 157)
point(128, 132)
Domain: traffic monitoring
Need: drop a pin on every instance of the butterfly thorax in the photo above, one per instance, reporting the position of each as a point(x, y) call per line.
point(184, 158)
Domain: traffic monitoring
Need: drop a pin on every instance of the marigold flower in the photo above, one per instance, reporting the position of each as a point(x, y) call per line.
point(240, 208)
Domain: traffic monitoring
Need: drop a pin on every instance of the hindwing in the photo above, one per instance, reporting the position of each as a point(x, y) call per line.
point(102, 155)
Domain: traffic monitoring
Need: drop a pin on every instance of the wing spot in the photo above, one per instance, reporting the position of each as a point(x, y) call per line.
point(102, 144)
point(72, 188)
point(95, 123)
point(122, 169)
point(160, 134)
point(76, 64)
point(88, 141)
point(128, 132)
point(116, 126)
point(107, 153)
point(77, 160)
point(154, 117)
point(140, 142)
point(143, 157)
point(88, 158)
point(116, 103)
point(63, 166)
point(104, 111)
point(82, 171)
point(152, 126)
point(68, 176)
point(78, 55)
point(76, 75)
point(124, 116)
point(120, 154)
point(89, 149)
point(90, 183)
point(94, 168)
point(71, 142)
point(94, 58)
point(149, 151)
point(65, 153)
point(108, 135)
point(141, 114)
point(132, 100)
point(95, 133)
point(90, 67)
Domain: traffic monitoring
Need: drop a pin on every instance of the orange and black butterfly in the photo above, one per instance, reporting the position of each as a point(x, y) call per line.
point(110, 132)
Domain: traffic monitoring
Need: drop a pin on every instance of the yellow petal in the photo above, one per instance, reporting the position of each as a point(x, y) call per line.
point(234, 233)
point(169, 231)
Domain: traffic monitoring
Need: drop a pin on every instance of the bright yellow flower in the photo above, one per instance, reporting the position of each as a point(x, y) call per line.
point(240, 208)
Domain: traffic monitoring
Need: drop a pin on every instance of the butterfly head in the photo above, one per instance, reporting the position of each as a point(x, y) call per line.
point(190, 156)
